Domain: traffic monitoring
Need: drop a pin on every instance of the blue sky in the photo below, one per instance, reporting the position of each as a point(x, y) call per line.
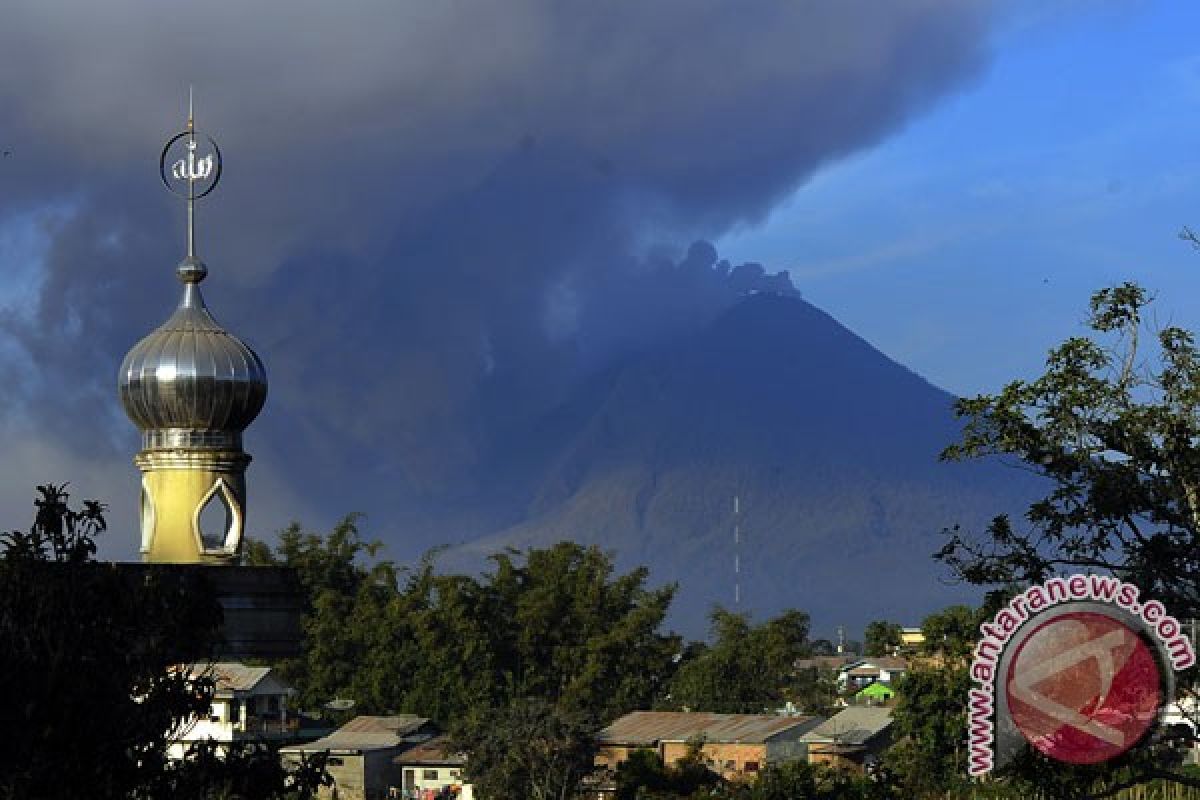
point(967, 244)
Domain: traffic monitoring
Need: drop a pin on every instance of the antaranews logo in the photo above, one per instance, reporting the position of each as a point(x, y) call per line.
point(1079, 667)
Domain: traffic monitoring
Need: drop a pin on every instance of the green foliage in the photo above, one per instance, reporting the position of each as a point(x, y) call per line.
point(1113, 430)
point(529, 749)
point(952, 632)
point(930, 728)
point(90, 681)
point(798, 780)
point(554, 623)
point(559, 626)
point(1113, 427)
point(814, 690)
point(643, 776)
point(210, 771)
point(747, 669)
point(881, 638)
point(930, 718)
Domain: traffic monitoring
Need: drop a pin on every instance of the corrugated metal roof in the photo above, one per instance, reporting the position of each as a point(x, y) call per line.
point(431, 752)
point(362, 734)
point(862, 672)
point(231, 676)
point(397, 724)
point(645, 728)
point(854, 725)
point(882, 662)
point(824, 662)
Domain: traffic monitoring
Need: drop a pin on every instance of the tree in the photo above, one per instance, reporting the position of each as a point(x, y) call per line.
point(1113, 431)
point(95, 676)
point(1112, 428)
point(881, 638)
point(930, 717)
point(555, 623)
point(951, 634)
point(797, 779)
point(747, 669)
point(643, 776)
point(822, 647)
point(349, 622)
point(528, 749)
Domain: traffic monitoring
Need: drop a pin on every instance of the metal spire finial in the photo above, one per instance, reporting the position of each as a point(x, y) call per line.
point(199, 173)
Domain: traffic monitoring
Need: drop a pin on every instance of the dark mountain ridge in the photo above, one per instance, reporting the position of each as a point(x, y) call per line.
point(831, 446)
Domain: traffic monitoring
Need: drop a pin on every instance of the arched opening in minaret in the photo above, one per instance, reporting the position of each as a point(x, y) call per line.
point(147, 508)
point(215, 521)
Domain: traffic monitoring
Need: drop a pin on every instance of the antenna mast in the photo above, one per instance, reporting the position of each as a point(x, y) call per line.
point(737, 554)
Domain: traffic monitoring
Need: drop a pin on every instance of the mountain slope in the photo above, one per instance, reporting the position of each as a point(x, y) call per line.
point(831, 446)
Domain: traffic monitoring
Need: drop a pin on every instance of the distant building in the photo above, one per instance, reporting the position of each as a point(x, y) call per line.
point(864, 671)
point(734, 745)
point(431, 767)
point(911, 639)
point(850, 738)
point(362, 754)
point(250, 704)
point(833, 663)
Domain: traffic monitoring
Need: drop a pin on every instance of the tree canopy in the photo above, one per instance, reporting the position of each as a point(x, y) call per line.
point(555, 623)
point(881, 638)
point(529, 748)
point(748, 669)
point(1112, 427)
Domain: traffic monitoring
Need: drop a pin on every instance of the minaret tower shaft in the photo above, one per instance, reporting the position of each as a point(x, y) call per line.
point(192, 388)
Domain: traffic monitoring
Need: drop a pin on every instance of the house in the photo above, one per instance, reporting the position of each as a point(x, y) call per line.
point(733, 745)
point(851, 738)
point(861, 672)
point(361, 754)
point(833, 663)
point(1184, 710)
point(430, 767)
point(250, 705)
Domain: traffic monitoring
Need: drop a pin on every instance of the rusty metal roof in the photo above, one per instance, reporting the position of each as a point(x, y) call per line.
point(397, 724)
point(431, 752)
point(646, 728)
point(231, 676)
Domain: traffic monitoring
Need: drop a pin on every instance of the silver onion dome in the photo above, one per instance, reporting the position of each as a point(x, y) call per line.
point(191, 383)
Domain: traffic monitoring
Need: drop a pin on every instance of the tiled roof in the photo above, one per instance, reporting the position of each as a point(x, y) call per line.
point(644, 728)
point(854, 725)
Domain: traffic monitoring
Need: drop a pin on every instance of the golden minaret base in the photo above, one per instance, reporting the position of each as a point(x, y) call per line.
point(177, 487)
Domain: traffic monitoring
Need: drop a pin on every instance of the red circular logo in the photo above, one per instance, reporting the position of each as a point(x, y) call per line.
point(1083, 687)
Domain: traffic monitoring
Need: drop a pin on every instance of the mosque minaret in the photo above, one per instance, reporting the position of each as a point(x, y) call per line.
point(192, 388)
